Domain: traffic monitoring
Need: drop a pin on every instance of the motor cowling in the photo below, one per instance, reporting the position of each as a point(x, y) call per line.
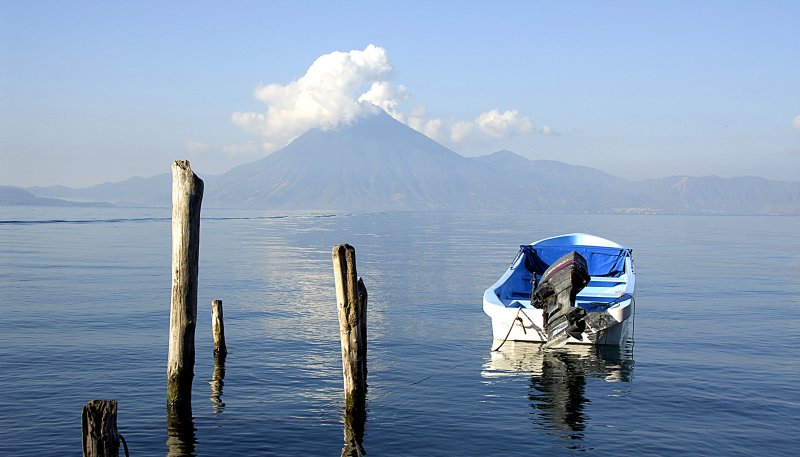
point(556, 291)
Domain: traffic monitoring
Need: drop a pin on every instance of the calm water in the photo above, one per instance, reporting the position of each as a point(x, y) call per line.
point(85, 315)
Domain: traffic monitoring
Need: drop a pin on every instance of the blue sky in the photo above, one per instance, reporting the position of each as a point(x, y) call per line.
point(101, 91)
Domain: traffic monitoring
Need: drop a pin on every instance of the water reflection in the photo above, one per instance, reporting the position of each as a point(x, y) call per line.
point(355, 419)
point(181, 437)
point(557, 379)
point(217, 382)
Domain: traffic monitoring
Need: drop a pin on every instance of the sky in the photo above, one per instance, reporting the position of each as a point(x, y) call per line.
point(94, 92)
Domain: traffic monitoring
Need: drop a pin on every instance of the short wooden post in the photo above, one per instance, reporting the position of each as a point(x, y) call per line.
point(187, 195)
point(99, 424)
point(218, 329)
point(351, 300)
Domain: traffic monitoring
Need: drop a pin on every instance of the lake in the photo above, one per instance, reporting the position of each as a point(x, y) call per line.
point(86, 294)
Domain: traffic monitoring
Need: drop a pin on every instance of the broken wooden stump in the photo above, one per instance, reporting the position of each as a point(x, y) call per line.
point(99, 426)
point(187, 196)
point(218, 329)
point(351, 300)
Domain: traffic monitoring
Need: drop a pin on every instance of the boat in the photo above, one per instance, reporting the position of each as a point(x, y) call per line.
point(575, 288)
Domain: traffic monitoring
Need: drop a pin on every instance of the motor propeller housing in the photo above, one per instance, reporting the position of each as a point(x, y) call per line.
point(555, 295)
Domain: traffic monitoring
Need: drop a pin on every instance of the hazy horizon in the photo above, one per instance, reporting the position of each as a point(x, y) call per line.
point(101, 93)
point(201, 173)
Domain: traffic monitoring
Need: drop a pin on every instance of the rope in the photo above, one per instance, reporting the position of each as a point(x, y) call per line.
point(124, 445)
point(633, 324)
point(516, 317)
point(533, 325)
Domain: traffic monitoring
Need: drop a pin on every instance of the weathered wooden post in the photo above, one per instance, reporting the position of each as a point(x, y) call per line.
point(218, 329)
point(99, 425)
point(187, 195)
point(351, 300)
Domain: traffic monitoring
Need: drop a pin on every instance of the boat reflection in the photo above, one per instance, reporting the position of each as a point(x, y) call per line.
point(558, 379)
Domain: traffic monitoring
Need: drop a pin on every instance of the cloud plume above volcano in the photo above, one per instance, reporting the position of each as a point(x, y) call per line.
point(340, 87)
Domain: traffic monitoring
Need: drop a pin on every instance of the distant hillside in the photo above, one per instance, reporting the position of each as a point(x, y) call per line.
point(136, 191)
point(11, 196)
point(378, 163)
point(712, 194)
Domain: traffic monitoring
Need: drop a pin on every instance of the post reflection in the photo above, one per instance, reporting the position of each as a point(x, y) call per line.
point(217, 382)
point(181, 437)
point(558, 380)
point(355, 419)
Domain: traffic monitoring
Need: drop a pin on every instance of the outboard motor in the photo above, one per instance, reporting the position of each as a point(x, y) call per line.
point(555, 295)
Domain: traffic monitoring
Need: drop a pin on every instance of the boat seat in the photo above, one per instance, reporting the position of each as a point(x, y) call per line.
point(595, 283)
point(526, 304)
point(595, 303)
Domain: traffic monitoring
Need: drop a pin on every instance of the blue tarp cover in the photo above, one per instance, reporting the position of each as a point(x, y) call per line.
point(602, 261)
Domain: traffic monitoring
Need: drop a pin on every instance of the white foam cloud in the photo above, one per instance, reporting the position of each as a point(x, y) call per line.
point(195, 147)
point(342, 86)
point(460, 130)
point(491, 125)
point(385, 95)
point(495, 124)
point(547, 131)
point(432, 128)
point(429, 127)
point(241, 149)
point(796, 122)
point(336, 89)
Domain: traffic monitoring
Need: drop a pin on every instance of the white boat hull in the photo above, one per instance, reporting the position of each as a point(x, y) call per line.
point(514, 319)
point(527, 325)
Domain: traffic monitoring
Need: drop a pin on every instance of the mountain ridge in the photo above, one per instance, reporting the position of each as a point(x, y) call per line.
point(378, 163)
point(17, 196)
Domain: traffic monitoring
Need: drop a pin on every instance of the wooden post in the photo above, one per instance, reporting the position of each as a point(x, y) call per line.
point(187, 195)
point(351, 300)
point(99, 424)
point(218, 329)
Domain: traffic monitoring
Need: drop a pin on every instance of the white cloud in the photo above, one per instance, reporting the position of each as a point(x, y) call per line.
point(432, 128)
point(429, 127)
point(342, 86)
point(195, 147)
point(336, 89)
point(796, 122)
point(385, 95)
point(547, 131)
point(241, 149)
point(460, 131)
point(491, 125)
point(495, 124)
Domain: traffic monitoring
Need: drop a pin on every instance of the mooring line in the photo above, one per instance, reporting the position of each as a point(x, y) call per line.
point(423, 379)
point(514, 321)
point(124, 445)
point(434, 374)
